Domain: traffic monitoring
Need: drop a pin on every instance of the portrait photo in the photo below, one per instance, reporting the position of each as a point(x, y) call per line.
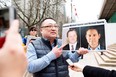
point(90, 35)
point(93, 37)
point(72, 38)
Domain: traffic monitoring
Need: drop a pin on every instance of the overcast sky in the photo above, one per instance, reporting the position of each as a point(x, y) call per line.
point(86, 9)
point(8, 2)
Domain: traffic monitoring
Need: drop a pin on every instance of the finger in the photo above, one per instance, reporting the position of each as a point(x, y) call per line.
point(62, 46)
point(86, 51)
point(56, 46)
point(14, 26)
point(70, 67)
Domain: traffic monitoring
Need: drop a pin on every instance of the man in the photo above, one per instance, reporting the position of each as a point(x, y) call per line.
point(93, 37)
point(13, 60)
point(45, 53)
point(72, 39)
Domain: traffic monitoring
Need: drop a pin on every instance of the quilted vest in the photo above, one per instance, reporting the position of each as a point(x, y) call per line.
point(57, 67)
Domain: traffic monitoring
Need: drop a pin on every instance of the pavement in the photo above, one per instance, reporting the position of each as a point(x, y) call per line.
point(88, 59)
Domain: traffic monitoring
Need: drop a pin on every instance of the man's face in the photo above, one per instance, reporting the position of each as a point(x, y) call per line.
point(49, 29)
point(92, 37)
point(72, 37)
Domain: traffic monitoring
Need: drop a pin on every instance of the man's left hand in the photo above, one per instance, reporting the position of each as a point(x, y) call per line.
point(82, 51)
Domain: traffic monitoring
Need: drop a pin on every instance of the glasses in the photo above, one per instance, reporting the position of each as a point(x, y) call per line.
point(49, 26)
point(33, 30)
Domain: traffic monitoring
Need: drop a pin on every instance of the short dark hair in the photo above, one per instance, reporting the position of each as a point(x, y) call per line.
point(46, 19)
point(32, 28)
point(71, 30)
point(89, 28)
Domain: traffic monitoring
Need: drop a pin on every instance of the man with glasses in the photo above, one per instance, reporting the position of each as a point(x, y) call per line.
point(45, 58)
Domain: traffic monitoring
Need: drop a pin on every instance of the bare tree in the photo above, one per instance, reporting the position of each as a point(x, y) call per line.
point(4, 3)
point(34, 11)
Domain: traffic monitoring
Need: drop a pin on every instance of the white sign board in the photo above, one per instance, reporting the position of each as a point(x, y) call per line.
point(90, 35)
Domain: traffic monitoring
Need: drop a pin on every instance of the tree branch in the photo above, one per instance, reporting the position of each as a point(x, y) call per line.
point(20, 10)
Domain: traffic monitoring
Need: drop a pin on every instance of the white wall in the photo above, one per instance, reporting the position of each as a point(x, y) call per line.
point(64, 35)
point(110, 30)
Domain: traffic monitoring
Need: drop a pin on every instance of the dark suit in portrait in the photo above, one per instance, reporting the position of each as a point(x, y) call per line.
point(100, 47)
point(67, 47)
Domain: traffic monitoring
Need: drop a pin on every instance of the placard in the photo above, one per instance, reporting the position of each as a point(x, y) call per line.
point(90, 35)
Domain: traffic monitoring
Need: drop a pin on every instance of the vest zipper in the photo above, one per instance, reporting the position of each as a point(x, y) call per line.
point(56, 67)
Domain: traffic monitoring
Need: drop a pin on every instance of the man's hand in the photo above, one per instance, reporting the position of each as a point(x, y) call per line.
point(82, 51)
point(13, 60)
point(57, 51)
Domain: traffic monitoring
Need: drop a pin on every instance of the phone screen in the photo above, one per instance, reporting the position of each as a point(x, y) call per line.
point(69, 62)
point(7, 15)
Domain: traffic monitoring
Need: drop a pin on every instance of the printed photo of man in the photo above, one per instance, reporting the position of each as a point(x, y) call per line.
point(94, 37)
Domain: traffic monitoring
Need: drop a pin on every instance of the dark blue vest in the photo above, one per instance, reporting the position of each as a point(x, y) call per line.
point(57, 67)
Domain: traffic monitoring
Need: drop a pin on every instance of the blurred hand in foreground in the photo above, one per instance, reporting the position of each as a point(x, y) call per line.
point(13, 60)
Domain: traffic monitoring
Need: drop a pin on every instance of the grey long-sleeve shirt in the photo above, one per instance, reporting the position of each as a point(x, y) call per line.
point(37, 64)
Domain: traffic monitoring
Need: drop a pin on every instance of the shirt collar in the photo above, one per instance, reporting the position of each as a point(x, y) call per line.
point(74, 45)
point(53, 44)
point(97, 48)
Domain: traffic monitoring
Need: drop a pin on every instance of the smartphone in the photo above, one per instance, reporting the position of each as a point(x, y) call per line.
point(69, 62)
point(7, 15)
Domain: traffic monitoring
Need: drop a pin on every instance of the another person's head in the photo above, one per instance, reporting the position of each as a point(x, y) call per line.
point(49, 28)
point(33, 31)
point(72, 36)
point(93, 37)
